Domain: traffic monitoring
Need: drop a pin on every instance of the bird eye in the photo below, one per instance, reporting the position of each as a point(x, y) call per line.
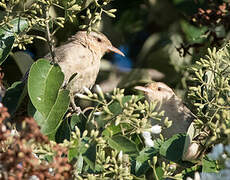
point(159, 88)
point(98, 40)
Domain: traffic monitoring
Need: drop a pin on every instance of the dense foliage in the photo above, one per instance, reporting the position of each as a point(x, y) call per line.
point(183, 43)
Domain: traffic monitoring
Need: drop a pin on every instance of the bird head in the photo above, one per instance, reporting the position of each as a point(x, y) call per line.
point(156, 91)
point(96, 42)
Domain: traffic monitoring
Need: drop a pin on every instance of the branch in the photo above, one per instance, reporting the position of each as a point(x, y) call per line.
point(49, 39)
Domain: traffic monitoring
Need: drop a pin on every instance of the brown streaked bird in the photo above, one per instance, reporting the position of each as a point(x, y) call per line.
point(81, 55)
point(173, 106)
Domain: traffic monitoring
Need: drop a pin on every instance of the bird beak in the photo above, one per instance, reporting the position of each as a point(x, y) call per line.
point(145, 89)
point(113, 49)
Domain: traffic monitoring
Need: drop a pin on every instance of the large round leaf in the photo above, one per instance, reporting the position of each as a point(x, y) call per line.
point(44, 83)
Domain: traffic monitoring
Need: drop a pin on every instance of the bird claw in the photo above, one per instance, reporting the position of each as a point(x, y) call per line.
point(75, 108)
point(78, 110)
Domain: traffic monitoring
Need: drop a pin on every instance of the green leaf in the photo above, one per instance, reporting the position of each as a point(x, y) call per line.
point(73, 153)
point(90, 156)
point(54, 118)
point(122, 143)
point(111, 130)
point(14, 96)
point(115, 108)
point(39, 118)
point(23, 60)
point(88, 152)
point(44, 84)
point(63, 132)
point(208, 165)
point(193, 34)
point(35, 113)
point(79, 147)
point(189, 172)
point(172, 149)
point(79, 121)
point(157, 143)
point(142, 164)
point(7, 36)
point(160, 173)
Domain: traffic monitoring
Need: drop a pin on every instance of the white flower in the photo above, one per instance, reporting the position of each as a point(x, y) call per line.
point(146, 135)
point(216, 152)
point(156, 129)
point(147, 139)
point(149, 143)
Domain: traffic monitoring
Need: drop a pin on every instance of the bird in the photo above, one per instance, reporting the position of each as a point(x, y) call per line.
point(79, 60)
point(81, 56)
point(172, 106)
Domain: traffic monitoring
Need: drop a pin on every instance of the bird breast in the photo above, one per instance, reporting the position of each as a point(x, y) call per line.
point(81, 60)
point(176, 112)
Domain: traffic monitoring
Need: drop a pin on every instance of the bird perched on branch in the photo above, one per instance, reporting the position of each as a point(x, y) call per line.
point(81, 56)
point(80, 59)
point(173, 106)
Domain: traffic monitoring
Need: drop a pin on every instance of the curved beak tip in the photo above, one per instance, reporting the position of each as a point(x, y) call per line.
point(115, 50)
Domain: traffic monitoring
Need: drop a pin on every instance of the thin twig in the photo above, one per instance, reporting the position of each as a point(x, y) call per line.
point(49, 39)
